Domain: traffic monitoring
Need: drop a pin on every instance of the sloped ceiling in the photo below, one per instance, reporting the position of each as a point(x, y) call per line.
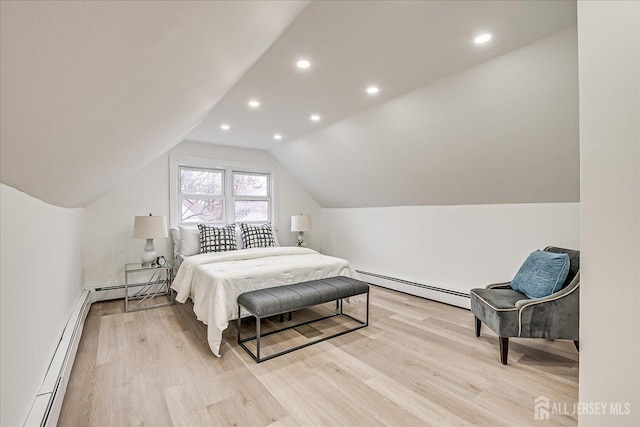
point(93, 91)
point(454, 122)
point(501, 132)
point(396, 45)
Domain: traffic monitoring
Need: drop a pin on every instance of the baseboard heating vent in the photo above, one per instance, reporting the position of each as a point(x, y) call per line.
point(106, 293)
point(448, 296)
point(48, 402)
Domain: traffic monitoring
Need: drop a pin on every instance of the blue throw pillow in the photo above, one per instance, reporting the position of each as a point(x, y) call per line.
point(542, 274)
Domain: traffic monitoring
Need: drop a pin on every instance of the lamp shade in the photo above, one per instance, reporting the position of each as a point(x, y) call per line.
point(300, 222)
point(149, 227)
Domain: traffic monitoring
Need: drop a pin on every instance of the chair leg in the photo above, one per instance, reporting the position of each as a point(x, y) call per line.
point(504, 349)
point(577, 344)
point(478, 326)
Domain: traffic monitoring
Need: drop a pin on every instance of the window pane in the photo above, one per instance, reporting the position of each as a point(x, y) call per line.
point(201, 181)
point(251, 210)
point(202, 210)
point(245, 184)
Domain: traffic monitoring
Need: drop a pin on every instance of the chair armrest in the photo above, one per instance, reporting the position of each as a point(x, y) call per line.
point(553, 297)
point(556, 316)
point(503, 285)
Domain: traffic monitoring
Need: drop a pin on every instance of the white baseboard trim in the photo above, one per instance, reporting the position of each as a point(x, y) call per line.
point(447, 296)
point(48, 402)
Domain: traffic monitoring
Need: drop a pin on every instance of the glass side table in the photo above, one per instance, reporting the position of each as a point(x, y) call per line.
point(151, 288)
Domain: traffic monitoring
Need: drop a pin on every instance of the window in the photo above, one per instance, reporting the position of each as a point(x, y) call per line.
point(204, 190)
point(201, 195)
point(251, 201)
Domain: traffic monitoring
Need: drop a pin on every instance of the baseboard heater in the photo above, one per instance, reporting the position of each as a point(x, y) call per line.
point(48, 402)
point(106, 293)
point(448, 296)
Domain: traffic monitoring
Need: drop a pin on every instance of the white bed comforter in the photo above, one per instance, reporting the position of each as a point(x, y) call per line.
point(214, 280)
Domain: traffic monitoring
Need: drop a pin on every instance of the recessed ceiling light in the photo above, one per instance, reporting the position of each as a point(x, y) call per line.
point(225, 126)
point(482, 38)
point(277, 136)
point(303, 63)
point(315, 117)
point(372, 90)
point(254, 103)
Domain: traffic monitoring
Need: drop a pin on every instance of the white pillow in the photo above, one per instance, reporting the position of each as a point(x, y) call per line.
point(175, 236)
point(238, 236)
point(189, 240)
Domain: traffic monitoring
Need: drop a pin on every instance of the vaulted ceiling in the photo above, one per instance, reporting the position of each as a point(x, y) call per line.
point(395, 45)
point(93, 91)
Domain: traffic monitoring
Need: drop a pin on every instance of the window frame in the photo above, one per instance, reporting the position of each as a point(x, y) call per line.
point(229, 168)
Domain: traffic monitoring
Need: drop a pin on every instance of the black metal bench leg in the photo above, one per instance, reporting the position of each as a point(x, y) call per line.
point(367, 310)
point(239, 324)
point(257, 339)
point(478, 326)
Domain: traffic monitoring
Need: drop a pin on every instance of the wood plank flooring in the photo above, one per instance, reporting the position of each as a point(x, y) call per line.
point(417, 363)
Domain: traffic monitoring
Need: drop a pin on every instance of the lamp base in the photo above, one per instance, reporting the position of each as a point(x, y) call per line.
point(149, 255)
point(300, 240)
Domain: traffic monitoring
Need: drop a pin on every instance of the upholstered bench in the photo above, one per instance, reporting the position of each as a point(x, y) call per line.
point(268, 302)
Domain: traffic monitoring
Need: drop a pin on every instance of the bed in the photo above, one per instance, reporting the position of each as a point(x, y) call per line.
point(214, 280)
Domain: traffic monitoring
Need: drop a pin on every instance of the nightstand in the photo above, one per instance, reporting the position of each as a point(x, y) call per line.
point(152, 286)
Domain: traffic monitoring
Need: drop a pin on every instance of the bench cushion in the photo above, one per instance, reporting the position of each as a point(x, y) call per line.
point(281, 299)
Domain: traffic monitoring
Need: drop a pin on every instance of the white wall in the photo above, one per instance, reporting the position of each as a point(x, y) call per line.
point(609, 40)
point(109, 220)
point(451, 247)
point(41, 279)
point(503, 131)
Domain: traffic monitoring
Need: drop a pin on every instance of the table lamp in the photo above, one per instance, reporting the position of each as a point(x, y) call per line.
point(149, 227)
point(300, 223)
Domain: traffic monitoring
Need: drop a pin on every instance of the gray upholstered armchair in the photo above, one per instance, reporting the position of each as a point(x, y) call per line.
point(510, 313)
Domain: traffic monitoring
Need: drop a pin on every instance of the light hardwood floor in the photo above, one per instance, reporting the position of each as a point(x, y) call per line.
point(417, 363)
